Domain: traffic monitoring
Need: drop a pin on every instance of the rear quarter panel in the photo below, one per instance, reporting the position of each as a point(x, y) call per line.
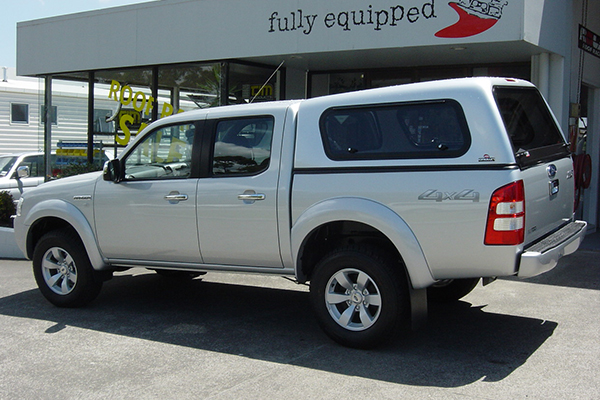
point(449, 229)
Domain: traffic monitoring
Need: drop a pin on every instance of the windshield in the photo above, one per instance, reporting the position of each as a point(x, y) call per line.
point(6, 163)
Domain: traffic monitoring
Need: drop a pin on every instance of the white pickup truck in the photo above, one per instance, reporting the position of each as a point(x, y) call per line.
point(20, 172)
point(380, 199)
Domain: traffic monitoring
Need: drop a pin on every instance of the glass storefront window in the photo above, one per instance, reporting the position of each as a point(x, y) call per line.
point(249, 83)
point(123, 104)
point(338, 82)
point(68, 143)
point(519, 71)
point(323, 83)
point(346, 82)
point(191, 86)
point(125, 101)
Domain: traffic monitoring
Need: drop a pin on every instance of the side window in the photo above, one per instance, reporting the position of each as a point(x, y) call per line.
point(35, 164)
point(163, 154)
point(19, 113)
point(394, 131)
point(353, 131)
point(242, 146)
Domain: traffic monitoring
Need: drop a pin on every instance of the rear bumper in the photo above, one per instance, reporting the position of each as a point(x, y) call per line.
point(544, 255)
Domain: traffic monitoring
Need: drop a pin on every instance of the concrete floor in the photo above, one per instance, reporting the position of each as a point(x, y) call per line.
point(230, 336)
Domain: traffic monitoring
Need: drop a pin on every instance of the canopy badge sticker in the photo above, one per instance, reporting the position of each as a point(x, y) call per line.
point(474, 17)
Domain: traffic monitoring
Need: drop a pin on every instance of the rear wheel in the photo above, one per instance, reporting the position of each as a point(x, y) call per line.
point(360, 296)
point(63, 271)
point(451, 290)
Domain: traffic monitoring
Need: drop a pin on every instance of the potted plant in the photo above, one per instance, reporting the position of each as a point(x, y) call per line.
point(7, 209)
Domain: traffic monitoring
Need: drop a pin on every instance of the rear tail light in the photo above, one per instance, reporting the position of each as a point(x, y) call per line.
point(506, 216)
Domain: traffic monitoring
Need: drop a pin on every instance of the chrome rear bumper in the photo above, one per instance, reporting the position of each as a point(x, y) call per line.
point(544, 255)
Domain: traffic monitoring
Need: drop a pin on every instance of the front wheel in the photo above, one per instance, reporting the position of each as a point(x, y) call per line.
point(63, 271)
point(360, 296)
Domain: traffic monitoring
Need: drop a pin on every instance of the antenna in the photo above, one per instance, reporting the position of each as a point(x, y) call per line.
point(267, 81)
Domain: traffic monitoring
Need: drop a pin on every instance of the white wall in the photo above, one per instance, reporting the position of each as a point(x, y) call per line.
point(18, 137)
point(182, 30)
point(71, 102)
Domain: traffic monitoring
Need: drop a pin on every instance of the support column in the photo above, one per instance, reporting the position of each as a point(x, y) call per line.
point(90, 135)
point(175, 98)
point(558, 97)
point(548, 74)
point(590, 196)
point(543, 74)
point(154, 115)
point(224, 84)
point(48, 127)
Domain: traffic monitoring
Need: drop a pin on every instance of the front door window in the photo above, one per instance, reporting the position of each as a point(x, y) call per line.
point(164, 154)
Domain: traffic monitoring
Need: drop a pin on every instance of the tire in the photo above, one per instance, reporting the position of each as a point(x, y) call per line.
point(63, 271)
point(451, 290)
point(360, 296)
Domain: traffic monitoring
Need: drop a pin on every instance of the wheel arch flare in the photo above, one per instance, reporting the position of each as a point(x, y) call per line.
point(58, 214)
point(325, 224)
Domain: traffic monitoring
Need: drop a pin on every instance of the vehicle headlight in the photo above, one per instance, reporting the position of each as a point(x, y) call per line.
point(20, 206)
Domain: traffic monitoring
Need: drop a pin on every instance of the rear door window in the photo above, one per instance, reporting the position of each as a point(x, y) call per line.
point(242, 146)
point(534, 135)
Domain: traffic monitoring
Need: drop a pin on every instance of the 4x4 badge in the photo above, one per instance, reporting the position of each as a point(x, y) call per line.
point(433, 194)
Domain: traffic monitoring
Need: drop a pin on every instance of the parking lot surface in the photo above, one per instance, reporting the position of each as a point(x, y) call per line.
point(227, 336)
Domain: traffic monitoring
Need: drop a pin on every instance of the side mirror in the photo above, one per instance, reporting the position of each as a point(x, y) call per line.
point(23, 172)
point(112, 171)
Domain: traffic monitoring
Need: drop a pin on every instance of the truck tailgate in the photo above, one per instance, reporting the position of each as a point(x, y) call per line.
point(549, 196)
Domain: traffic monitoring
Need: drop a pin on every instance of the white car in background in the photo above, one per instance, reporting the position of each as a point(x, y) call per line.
point(9, 177)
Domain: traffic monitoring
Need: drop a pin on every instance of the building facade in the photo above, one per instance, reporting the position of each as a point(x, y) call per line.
point(157, 58)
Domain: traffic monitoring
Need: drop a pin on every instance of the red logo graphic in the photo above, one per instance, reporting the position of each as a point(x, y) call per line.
point(474, 17)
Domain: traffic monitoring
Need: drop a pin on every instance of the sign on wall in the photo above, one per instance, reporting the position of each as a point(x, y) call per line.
point(131, 119)
point(589, 41)
point(474, 17)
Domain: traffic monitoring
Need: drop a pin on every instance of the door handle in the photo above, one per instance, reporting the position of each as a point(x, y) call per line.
point(251, 196)
point(175, 197)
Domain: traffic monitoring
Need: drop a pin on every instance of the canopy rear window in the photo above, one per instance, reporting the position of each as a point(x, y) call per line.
point(534, 135)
